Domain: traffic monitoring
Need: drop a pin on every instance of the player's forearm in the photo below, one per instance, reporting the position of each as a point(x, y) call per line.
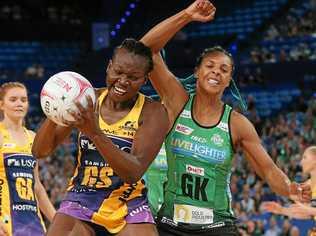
point(278, 181)
point(311, 211)
point(124, 164)
point(44, 139)
point(47, 138)
point(254, 164)
point(158, 36)
point(288, 212)
point(44, 203)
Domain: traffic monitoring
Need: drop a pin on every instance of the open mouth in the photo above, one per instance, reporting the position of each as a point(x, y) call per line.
point(119, 91)
point(212, 82)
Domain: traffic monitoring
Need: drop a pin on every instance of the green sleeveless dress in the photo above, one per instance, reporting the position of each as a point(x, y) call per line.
point(199, 158)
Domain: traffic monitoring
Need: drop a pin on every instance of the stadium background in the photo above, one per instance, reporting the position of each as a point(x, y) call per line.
point(274, 46)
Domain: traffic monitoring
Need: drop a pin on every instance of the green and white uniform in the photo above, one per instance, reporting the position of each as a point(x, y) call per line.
point(199, 170)
point(154, 177)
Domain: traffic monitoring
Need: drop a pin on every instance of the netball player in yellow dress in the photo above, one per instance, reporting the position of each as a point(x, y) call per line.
point(22, 195)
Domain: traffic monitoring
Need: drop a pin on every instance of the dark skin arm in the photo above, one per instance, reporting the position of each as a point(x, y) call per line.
point(245, 135)
point(158, 36)
point(170, 90)
point(48, 137)
point(172, 93)
point(254, 164)
point(248, 139)
point(146, 145)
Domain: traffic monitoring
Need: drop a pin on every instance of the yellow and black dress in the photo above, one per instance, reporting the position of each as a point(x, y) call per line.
point(19, 209)
point(96, 194)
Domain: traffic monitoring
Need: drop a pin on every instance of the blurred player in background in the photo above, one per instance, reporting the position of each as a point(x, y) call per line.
point(117, 142)
point(299, 210)
point(22, 193)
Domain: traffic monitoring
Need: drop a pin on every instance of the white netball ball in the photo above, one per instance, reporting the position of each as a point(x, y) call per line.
point(61, 91)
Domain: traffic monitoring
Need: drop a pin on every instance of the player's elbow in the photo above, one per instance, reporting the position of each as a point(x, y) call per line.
point(39, 153)
point(132, 176)
point(130, 180)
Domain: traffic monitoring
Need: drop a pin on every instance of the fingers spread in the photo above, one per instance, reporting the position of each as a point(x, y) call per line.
point(80, 107)
point(90, 101)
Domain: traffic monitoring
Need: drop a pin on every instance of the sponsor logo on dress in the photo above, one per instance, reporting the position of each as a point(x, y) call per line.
point(194, 170)
point(139, 210)
point(192, 215)
point(184, 129)
point(129, 125)
point(198, 139)
point(217, 140)
point(9, 145)
point(223, 126)
point(129, 128)
point(198, 150)
point(24, 207)
point(21, 162)
point(86, 144)
point(165, 220)
point(186, 114)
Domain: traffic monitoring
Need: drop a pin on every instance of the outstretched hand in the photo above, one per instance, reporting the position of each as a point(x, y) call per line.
point(201, 10)
point(300, 192)
point(297, 210)
point(300, 207)
point(273, 207)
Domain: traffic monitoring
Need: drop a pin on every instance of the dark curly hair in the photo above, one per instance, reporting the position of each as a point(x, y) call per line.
point(138, 48)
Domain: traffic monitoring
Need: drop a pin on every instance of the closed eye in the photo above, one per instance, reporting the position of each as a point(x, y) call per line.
point(133, 78)
point(118, 72)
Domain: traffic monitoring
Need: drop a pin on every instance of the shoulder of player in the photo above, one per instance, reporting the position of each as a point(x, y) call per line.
point(239, 123)
point(237, 118)
point(155, 114)
point(151, 105)
point(32, 133)
point(153, 108)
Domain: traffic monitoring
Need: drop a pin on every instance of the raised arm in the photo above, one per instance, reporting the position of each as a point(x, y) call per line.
point(170, 90)
point(173, 95)
point(157, 37)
